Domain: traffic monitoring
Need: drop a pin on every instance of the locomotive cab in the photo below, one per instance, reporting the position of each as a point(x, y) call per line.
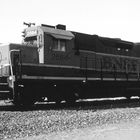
point(51, 41)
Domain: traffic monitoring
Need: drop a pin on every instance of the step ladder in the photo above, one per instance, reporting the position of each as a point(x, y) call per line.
point(5, 91)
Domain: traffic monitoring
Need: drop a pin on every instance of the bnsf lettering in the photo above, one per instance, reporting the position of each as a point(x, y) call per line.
point(134, 65)
point(118, 63)
point(121, 64)
point(106, 63)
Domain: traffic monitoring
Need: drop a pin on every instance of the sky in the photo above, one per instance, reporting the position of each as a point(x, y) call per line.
point(107, 18)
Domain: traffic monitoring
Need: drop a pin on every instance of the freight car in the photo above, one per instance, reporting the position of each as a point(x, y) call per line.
point(58, 64)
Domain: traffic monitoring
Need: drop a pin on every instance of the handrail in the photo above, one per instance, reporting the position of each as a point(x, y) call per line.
point(14, 50)
point(11, 66)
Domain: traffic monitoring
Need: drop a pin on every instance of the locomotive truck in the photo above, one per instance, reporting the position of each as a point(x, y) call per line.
point(58, 64)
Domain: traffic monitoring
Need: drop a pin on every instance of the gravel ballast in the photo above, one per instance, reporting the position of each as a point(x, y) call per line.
point(24, 124)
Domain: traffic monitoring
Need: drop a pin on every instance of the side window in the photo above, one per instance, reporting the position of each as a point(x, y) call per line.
point(59, 45)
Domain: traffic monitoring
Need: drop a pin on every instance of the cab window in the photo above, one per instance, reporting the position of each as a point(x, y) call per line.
point(59, 45)
point(31, 40)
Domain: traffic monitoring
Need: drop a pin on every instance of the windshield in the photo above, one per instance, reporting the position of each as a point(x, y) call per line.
point(32, 40)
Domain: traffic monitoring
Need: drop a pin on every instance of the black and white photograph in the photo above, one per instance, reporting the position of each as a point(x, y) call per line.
point(69, 70)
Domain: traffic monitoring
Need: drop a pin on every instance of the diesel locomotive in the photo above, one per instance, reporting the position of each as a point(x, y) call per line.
point(57, 64)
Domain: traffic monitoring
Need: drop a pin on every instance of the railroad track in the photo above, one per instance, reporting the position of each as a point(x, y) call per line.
point(80, 104)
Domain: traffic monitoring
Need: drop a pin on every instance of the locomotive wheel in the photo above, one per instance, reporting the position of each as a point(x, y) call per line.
point(72, 99)
point(70, 102)
point(22, 97)
point(26, 97)
point(58, 101)
point(16, 96)
point(128, 97)
point(27, 102)
point(16, 102)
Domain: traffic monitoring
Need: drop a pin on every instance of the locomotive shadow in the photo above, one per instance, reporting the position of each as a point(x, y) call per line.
point(79, 105)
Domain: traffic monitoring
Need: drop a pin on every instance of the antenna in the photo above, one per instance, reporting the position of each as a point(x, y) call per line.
point(28, 24)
